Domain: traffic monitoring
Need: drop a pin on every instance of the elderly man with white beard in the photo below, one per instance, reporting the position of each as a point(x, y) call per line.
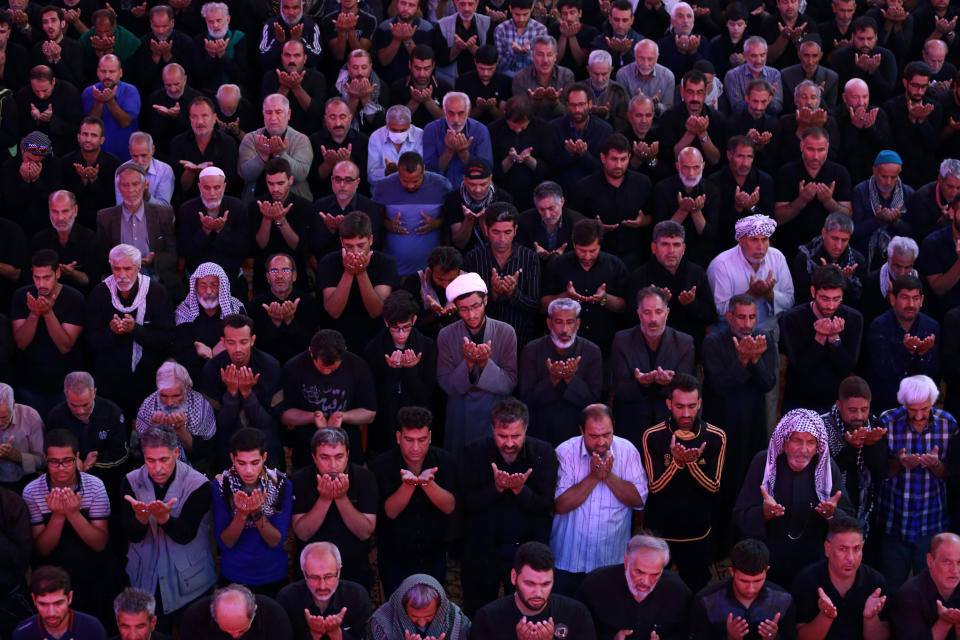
point(560, 374)
point(791, 491)
point(688, 199)
point(129, 322)
point(176, 405)
point(213, 227)
point(639, 598)
point(198, 317)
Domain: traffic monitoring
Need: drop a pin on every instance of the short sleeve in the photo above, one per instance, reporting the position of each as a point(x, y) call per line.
point(366, 490)
point(95, 498)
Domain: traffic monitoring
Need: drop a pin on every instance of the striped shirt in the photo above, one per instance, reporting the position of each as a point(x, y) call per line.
point(506, 34)
point(521, 310)
point(913, 503)
point(594, 534)
point(94, 503)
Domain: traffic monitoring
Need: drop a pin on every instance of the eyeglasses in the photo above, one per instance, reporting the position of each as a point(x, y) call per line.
point(330, 577)
point(61, 462)
point(284, 271)
point(39, 149)
point(401, 328)
point(473, 307)
point(344, 180)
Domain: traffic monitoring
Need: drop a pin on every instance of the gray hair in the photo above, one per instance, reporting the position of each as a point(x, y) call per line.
point(399, 114)
point(930, 44)
point(647, 42)
point(159, 435)
point(125, 251)
point(173, 373)
point(755, 41)
point(915, 389)
point(669, 229)
point(547, 40)
point(678, 6)
point(6, 396)
point(329, 437)
point(248, 598)
point(600, 55)
point(644, 542)
point(142, 136)
point(641, 99)
point(419, 596)
point(950, 167)
point(807, 84)
point(808, 43)
point(227, 87)
point(903, 246)
point(173, 66)
point(563, 304)
point(214, 6)
point(62, 193)
point(548, 189)
point(317, 549)
point(132, 600)
point(454, 95)
point(78, 382)
point(279, 97)
point(837, 221)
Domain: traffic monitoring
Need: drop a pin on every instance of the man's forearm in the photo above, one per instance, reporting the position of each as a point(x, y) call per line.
point(626, 492)
point(575, 495)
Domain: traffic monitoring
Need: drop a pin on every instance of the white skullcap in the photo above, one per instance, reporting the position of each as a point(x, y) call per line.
point(466, 283)
point(755, 225)
point(213, 171)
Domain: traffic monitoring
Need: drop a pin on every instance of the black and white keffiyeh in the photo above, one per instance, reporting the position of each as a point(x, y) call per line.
point(272, 482)
point(189, 309)
point(806, 421)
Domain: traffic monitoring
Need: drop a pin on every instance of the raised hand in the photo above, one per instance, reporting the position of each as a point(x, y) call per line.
point(771, 508)
point(828, 507)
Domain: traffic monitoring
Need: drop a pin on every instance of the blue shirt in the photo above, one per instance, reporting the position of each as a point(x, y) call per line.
point(890, 361)
point(411, 249)
point(81, 627)
point(117, 137)
point(913, 503)
point(433, 146)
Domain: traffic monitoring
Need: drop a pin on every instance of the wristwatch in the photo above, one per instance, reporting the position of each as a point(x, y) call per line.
point(705, 138)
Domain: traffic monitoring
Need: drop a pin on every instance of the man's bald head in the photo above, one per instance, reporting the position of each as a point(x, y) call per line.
point(943, 538)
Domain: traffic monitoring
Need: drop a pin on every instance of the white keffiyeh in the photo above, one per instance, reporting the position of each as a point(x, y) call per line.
point(755, 225)
point(189, 309)
point(138, 309)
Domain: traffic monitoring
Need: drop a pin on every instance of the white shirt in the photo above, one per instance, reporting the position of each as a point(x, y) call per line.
point(596, 533)
point(729, 274)
point(380, 149)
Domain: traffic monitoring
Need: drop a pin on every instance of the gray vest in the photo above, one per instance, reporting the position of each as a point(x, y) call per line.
point(183, 572)
point(448, 28)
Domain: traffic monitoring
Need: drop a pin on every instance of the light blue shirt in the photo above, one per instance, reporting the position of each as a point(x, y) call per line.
point(735, 88)
point(160, 179)
point(433, 146)
point(380, 149)
point(411, 249)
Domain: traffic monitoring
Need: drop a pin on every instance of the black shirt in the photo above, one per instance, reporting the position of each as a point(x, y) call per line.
point(296, 597)
point(358, 143)
point(287, 340)
point(420, 530)
point(354, 322)
point(181, 529)
point(42, 366)
point(221, 151)
point(349, 386)
point(848, 624)
point(105, 432)
point(322, 241)
point(499, 87)
point(597, 323)
point(809, 221)
point(498, 620)
point(81, 248)
point(595, 196)
point(729, 215)
point(269, 623)
point(362, 494)
point(700, 245)
point(938, 253)
point(664, 610)
point(914, 608)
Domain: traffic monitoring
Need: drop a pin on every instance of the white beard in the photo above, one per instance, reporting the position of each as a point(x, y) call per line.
point(562, 344)
point(209, 302)
point(690, 183)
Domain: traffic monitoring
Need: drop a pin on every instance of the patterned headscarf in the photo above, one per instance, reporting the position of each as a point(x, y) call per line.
point(189, 309)
point(391, 620)
point(755, 225)
point(806, 421)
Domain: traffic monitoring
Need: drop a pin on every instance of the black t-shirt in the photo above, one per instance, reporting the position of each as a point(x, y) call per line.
point(597, 323)
point(938, 253)
point(498, 620)
point(848, 624)
point(355, 323)
point(809, 221)
point(362, 494)
point(499, 87)
point(420, 530)
point(295, 597)
point(42, 366)
point(105, 433)
point(350, 386)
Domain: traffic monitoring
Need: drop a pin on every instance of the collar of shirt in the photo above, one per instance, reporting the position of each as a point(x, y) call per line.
point(127, 214)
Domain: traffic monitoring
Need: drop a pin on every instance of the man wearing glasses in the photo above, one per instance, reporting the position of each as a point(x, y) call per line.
point(285, 316)
point(330, 210)
point(68, 517)
point(322, 603)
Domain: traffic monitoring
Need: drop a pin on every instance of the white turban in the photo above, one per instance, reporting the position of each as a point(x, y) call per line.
point(755, 225)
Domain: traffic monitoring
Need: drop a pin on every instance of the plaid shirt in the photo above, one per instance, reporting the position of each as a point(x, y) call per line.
point(506, 34)
point(913, 503)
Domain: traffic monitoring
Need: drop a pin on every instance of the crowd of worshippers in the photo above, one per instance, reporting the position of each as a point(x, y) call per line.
point(286, 283)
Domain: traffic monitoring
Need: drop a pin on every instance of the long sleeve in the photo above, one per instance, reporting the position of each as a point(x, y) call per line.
point(183, 528)
point(748, 510)
point(500, 374)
